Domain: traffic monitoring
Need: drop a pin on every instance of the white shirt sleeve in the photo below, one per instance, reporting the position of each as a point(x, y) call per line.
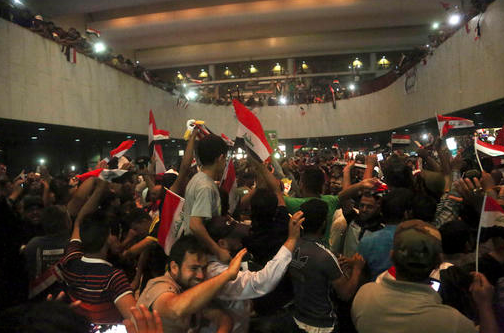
point(247, 284)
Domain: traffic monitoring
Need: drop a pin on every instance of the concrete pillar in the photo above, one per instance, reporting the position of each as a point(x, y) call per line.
point(372, 61)
point(290, 66)
point(211, 71)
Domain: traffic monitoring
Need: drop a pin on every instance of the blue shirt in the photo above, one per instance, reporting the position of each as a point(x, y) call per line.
point(375, 249)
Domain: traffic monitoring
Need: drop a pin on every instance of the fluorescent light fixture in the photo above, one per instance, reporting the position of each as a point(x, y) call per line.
point(72, 167)
point(180, 153)
point(425, 136)
point(77, 140)
point(34, 138)
point(128, 137)
point(283, 100)
point(41, 128)
point(42, 161)
point(351, 87)
point(435, 25)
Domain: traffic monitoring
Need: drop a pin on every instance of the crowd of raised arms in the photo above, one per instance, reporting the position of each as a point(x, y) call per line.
point(309, 243)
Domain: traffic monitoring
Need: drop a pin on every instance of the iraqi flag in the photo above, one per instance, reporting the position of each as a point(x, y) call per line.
point(488, 149)
point(250, 129)
point(105, 174)
point(492, 214)
point(170, 215)
point(122, 148)
point(400, 139)
point(158, 157)
point(93, 32)
point(154, 133)
point(491, 219)
point(445, 124)
point(297, 148)
point(228, 184)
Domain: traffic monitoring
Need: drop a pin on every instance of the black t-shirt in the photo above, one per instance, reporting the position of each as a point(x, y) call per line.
point(267, 237)
point(312, 269)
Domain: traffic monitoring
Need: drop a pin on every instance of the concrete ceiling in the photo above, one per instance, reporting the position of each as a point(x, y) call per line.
point(176, 33)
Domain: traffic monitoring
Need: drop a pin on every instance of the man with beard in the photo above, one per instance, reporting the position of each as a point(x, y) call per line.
point(367, 220)
point(181, 295)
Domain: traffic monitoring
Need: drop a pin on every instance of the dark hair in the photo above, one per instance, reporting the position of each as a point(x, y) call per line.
point(54, 316)
point(94, 231)
point(315, 215)
point(415, 273)
point(136, 215)
point(424, 207)
point(168, 179)
point(155, 263)
point(210, 148)
point(183, 245)
point(395, 204)
point(313, 179)
point(60, 188)
point(54, 220)
point(455, 235)
point(397, 173)
point(263, 205)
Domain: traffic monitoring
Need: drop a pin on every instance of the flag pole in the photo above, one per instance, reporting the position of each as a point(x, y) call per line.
point(479, 234)
point(476, 152)
point(437, 123)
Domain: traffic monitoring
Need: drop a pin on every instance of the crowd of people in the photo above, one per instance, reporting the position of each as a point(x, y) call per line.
point(310, 243)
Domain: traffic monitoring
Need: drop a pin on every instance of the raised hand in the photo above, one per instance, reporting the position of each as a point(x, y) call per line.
point(146, 322)
point(234, 265)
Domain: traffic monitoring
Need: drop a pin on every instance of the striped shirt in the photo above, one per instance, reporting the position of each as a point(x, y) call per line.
point(93, 281)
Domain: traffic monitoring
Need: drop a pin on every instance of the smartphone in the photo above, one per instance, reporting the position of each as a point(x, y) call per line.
point(380, 157)
point(435, 284)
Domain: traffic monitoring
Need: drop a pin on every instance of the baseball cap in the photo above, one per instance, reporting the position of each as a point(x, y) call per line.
point(224, 227)
point(417, 244)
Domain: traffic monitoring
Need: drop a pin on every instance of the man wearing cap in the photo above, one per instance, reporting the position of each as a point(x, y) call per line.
point(408, 303)
point(236, 294)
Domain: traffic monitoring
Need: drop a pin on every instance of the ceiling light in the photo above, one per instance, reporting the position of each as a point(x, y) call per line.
point(283, 100)
point(41, 129)
point(357, 63)
point(203, 74)
point(427, 45)
point(425, 136)
point(384, 62)
point(351, 87)
point(34, 138)
point(137, 62)
point(277, 68)
point(72, 167)
point(109, 142)
point(477, 113)
point(276, 155)
point(406, 130)
point(304, 65)
point(227, 72)
point(179, 75)
point(18, 2)
point(99, 47)
point(454, 19)
point(77, 140)
point(435, 25)
point(128, 137)
point(253, 70)
point(41, 161)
